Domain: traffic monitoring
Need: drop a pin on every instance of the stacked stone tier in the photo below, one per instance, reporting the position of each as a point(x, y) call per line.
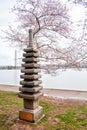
point(30, 68)
point(30, 96)
point(30, 77)
point(30, 49)
point(31, 54)
point(25, 89)
point(31, 65)
point(30, 83)
point(32, 59)
point(31, 71)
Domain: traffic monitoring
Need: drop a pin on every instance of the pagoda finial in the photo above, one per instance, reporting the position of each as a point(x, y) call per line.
point(30, 38)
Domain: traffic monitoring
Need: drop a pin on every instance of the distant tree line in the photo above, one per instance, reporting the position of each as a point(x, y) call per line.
point(9, 67)
point(53, 66)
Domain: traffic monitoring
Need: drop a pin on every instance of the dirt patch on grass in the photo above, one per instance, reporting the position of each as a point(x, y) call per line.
point(56, 101)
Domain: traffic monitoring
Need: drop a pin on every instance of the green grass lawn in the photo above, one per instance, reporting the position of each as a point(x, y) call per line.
point(58, 116)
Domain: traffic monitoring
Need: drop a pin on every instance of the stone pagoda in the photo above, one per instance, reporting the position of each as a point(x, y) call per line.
point(30, 90)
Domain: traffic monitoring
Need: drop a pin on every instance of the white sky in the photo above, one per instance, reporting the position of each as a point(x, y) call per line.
point(7, 18)
point(77, 13)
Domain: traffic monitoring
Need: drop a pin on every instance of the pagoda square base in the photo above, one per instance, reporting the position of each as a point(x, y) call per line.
point(31, 115)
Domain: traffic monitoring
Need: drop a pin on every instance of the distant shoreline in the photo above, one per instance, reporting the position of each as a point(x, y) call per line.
point(55, 93)
point(43, 67)
point(51, 89)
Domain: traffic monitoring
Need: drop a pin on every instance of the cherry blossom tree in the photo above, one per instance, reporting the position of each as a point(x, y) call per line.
point(50, 22)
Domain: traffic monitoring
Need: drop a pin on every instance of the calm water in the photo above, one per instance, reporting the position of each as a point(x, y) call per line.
point(69, 79)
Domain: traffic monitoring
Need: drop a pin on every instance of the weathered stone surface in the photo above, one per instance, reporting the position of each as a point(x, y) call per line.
point(33, 76)
point(38, 114)
point(31, 65)
point(31, 115)
point(31, 54)
point(30, 60)
point(34, 96)
point(31, 71)
point(30, 49)
point(30, 90)
point(31, 83)
point(27, 89)
point(30, 104)
point(30, 38)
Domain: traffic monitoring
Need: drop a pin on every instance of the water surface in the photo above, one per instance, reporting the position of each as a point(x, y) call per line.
point(69, 79)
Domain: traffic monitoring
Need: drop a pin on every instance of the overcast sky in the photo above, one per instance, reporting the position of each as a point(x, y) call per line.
point(7, 18)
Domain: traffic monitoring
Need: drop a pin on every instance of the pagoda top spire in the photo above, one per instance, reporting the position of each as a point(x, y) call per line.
point(30, 38)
